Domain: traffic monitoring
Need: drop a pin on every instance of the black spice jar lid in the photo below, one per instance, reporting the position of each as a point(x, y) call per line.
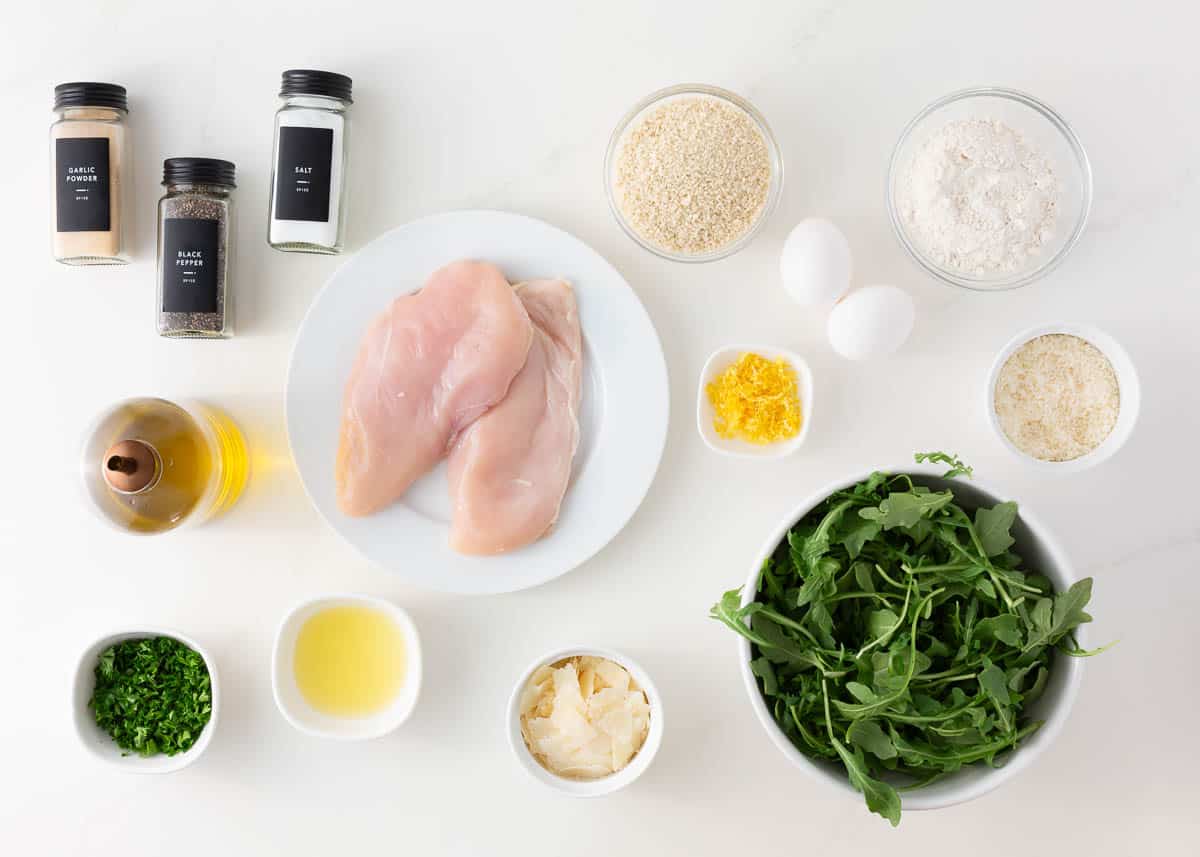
point(89, 94)
point(212, 171)
point(307, 81)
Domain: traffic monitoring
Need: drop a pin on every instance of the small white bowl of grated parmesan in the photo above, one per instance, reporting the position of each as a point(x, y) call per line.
point(585, 722)
point(1063, 397)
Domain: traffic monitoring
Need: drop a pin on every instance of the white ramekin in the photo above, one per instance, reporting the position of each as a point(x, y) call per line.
point(296, 709)
point(605, 785)
point(736, 447)
point(1127, 382)
point(99, 743)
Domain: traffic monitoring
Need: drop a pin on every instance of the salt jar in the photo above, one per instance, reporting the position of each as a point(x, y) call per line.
point(308, 187)
point(195, 232)
point(89, 174)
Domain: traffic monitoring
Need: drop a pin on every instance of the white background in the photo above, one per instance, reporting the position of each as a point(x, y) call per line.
point(509, 105)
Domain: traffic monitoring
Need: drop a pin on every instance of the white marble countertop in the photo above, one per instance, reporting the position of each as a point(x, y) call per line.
point(510, 106)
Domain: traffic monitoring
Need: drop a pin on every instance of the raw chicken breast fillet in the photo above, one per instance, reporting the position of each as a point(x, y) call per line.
point(509, 470)
point(427, 368)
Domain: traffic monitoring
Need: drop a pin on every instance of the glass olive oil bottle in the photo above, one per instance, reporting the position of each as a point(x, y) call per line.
point(151, 465)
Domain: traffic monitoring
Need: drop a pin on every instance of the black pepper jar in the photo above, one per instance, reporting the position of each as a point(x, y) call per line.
point(195, 231)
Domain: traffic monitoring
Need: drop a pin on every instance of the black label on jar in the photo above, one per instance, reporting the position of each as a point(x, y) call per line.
point(189, 265)
point(302, 175)
point(81, 183)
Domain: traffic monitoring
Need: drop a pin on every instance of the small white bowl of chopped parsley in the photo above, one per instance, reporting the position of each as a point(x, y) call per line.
point(146, 700)
point(910, 638)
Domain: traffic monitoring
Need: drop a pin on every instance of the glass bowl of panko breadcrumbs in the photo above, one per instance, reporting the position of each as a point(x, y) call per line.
point(692, 172)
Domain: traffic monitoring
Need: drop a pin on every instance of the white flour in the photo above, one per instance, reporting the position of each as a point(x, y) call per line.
point(977, 199)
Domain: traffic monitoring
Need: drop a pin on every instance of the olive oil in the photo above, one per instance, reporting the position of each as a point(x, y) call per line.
point(151, 465)
point(350, 660)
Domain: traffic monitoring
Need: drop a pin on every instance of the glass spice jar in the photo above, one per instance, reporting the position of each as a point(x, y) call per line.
point(195, 233)
point(89, 174)
point(308, 187)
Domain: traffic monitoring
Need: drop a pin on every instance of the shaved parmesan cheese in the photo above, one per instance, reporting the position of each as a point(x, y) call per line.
point(584, 717)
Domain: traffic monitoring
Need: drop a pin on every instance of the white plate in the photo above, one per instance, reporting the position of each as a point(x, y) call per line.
point(623, 417)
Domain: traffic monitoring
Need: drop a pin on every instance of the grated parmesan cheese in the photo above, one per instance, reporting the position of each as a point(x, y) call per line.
point(1057, 397)
point(756, 399)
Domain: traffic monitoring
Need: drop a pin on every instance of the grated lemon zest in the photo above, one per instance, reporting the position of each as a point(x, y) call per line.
point(756, 399)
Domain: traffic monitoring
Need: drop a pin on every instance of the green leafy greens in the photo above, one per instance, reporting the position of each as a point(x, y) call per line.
point(900, 636)
point(152, 695)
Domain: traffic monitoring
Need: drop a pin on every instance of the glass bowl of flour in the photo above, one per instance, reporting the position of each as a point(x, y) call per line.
point(989, 189)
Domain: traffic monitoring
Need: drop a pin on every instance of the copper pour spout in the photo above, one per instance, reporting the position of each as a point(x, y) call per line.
point(129, 466)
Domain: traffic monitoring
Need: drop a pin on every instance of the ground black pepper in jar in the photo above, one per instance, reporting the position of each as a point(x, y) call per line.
point(194, 237)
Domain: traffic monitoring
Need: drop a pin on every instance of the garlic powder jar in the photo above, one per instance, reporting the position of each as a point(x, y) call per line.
point(89, 173)
point(308, 188)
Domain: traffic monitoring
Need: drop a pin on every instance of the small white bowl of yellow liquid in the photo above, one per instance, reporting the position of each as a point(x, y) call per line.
point(346, 667)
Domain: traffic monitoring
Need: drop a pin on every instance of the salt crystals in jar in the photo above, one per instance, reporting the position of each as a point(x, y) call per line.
point(308, 190)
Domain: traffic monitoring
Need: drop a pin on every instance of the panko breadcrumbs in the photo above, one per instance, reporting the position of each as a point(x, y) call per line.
point(1057, 397)
point(693, 175)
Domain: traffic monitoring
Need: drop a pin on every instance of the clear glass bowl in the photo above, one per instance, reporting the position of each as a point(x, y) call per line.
point(1045, 130)
point(656, 99)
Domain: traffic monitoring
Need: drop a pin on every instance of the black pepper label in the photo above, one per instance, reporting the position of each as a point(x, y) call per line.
point(81, 181)
point(189, 265)
point(302, 176)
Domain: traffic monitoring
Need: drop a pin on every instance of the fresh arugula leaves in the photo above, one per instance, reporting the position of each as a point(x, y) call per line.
point(957, 468)
point(152, 695)
point(897, 633)
point(993, 526)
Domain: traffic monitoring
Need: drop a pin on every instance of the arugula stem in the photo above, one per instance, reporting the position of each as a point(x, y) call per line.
point(883, 574)
point(887, 635)
point(946, 680)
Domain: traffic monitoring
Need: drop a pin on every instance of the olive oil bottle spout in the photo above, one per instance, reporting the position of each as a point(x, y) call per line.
point(130, 466)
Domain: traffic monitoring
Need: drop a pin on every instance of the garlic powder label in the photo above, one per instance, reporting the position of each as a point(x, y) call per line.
point(189, 269)
point(81, 184)
point(302, 174)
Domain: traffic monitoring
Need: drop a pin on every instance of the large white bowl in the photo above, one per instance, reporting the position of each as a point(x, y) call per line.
point(1039, 550)
point(99, 743)
point(604, 785)
point(1129, 387)
point(297, 711)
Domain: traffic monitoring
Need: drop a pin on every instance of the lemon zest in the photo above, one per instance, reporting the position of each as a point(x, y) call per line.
point(756, 399)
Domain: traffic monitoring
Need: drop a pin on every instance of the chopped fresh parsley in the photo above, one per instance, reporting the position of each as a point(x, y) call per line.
point(153, 695)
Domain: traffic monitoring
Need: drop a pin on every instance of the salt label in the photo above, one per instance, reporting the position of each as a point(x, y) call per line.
point(304, 173)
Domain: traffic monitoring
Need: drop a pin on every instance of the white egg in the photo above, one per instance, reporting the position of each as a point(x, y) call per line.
point(815, 262)
point(871, 322)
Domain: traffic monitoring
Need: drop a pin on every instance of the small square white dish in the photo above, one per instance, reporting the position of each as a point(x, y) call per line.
point(1127, 383)
point(604, 785)
point(297, 711)
point(722, 358)
point(99, 743)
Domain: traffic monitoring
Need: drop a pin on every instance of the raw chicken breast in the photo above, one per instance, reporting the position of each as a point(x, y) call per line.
point(427, 367)
point(510, 469)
